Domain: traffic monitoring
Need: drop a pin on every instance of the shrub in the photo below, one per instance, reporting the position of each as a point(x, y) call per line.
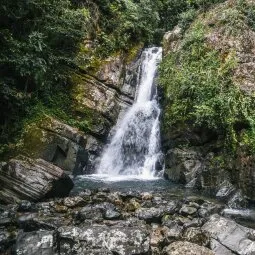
point(199, 89)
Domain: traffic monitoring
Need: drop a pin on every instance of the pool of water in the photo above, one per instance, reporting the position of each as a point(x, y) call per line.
point(132, 183)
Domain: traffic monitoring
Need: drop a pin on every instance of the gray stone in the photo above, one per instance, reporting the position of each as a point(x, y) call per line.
point(171, 40)
point(219, 249)
point(112, 215)
point(196, 235)
point(188, 210)
point(172, 233)
point(26, 206)
point(74, 201)
point(237, 200)
point(28, 179)
point(226, 189)
point(90, 212)
point(117, 240)
point(186, 248)
point(150, 214)
point(156, 236)
point(233, 236)
point(243, 214)
point(196, 222)
point(7, 240)
point(182, 165)
point(56, 142)
point(208, 209)
point(36, 243)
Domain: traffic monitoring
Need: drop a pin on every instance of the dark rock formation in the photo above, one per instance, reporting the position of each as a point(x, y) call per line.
point(32, 180)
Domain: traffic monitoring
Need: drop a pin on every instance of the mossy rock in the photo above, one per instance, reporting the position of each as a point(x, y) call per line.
point(54, 142)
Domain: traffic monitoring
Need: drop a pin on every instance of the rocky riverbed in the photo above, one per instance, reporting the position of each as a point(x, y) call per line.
point(102, 221)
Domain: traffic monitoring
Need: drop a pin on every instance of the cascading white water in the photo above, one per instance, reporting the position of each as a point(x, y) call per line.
point(134, 149)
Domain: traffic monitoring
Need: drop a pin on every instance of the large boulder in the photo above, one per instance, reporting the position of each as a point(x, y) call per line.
point(100, 239)
point(32, 179)
point(235, 238)
point(183, 165)
point(60, 144)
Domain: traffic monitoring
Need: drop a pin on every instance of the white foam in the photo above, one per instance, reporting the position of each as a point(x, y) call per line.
point(117, 178)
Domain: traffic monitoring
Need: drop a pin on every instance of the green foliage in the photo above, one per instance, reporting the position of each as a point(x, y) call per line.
point(42, 42)
point(124, 24)
point(198, 86)
point(38, 43)
point(171, 11)
point(248, 10)
point(186, 18)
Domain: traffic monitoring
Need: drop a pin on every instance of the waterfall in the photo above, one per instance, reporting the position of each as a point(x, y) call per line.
point(134, 149)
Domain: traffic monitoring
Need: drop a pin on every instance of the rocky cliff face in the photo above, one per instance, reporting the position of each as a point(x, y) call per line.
point(97, 99)
point(195, 156)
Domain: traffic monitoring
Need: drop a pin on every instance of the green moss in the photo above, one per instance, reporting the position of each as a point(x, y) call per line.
point(199, 89)
point(133, 52)
point(86, 118)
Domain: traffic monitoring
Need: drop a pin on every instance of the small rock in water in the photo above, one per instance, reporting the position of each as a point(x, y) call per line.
point(226, 189)
point(132, 205)
point(150, 214)
point(146, 196)
point(85, 193)
point(111, 215)
point(103, 190)
point(172, 233)
point(26, 206)
point(196, 235)
point(74, 202)
point(90, 212)
point(237, 201)
point(188, 210)
point(130, 194)
point(208, 209)
point(157, 200)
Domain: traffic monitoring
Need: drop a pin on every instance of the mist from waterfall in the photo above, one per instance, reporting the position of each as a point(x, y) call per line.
point(134, 149)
